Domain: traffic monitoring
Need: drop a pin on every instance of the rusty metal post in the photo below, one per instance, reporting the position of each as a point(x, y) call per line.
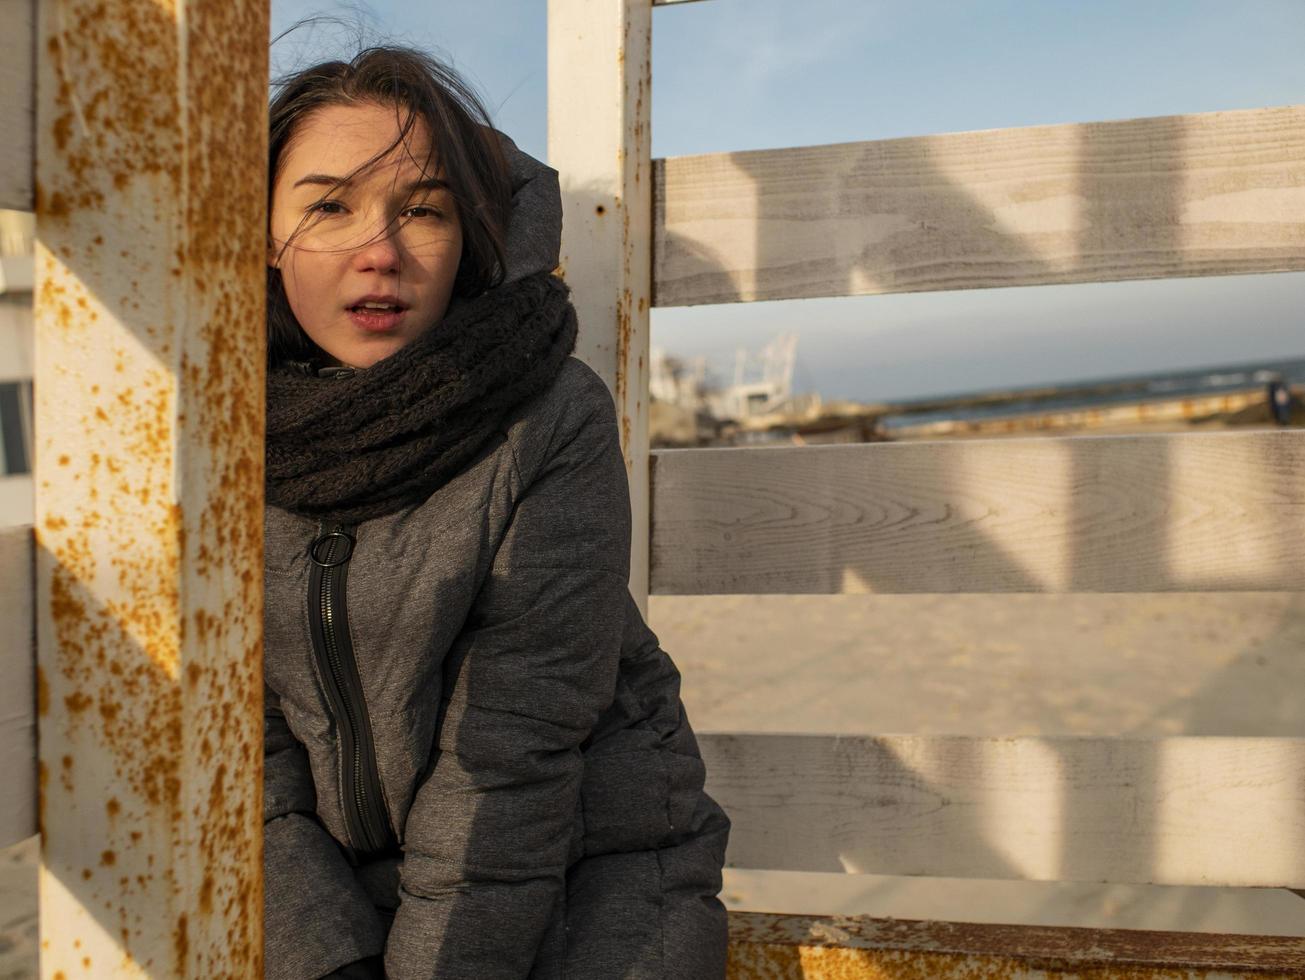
point(599, 140)
point(150, 201)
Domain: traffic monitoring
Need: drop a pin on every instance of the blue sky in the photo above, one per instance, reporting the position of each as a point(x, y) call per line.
point(748, 74)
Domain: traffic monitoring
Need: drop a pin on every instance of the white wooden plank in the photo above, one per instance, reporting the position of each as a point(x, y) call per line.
point(17, 102)
point(599, 140)
point(17, 273)
point(17, 697)
point(1150, 513)
point(150, 344)
point(1170, 811)
point(1209, 194)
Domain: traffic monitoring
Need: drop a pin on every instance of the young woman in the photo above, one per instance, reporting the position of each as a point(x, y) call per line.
point(477, 763)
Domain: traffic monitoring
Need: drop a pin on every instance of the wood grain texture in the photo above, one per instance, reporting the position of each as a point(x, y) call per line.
point(17, 700)
point(1148, 513)
point(1170, 811)
point(1210, 194)
point(780, 947)
point(17, 103)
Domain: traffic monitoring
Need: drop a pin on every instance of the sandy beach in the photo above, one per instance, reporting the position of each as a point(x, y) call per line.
point(1220, 664)
point(1215, 664)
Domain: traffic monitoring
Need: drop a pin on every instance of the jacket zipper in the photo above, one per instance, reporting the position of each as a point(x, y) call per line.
point(361, 797)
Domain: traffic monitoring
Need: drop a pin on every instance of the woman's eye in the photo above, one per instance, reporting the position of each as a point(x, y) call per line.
point(327, 207)
point(422, 211)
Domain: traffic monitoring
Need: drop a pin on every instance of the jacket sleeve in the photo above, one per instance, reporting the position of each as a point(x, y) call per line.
point(490, 831)
point(316, 917)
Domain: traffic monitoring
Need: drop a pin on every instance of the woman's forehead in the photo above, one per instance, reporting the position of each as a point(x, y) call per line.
point(341, 139)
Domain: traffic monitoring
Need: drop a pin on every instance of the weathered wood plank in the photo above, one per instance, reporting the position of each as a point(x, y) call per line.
point(17, 700)
point(1151, 513)
point(1168, 811)
point(17, 102)
point(796, 947)
point(1209, 194)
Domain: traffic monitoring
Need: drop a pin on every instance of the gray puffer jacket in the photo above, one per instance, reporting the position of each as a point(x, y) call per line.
point(531, 755)
point(476, 758)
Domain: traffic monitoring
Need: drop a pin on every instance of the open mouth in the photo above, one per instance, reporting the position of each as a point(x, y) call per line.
point(377, 316)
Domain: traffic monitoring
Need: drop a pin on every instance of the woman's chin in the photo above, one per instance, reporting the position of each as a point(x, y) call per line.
point(362, 356)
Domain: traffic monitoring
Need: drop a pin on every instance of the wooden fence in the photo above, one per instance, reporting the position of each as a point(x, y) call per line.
point(135, 484)
point(1205, 194)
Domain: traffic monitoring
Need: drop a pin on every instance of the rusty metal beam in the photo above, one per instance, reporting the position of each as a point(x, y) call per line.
point(599, 83)
point(150, 200)
point(794, 947)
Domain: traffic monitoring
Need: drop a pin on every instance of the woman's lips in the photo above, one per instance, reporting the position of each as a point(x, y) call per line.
point(375, 321)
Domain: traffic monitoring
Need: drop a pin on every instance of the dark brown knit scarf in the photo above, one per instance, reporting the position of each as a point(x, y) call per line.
point(356, 446)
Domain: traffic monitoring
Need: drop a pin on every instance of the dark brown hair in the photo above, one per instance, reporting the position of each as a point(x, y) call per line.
point(462, 141)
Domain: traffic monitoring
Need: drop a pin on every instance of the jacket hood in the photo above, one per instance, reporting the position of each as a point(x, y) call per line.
point(534, 236)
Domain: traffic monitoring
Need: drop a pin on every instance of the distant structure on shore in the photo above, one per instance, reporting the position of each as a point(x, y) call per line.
point(690, 408)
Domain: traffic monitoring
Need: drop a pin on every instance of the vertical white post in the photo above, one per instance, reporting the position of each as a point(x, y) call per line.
point(599, 140)
point(151, 228)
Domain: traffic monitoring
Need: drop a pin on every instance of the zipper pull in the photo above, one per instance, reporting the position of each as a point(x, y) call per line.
point(323, 550)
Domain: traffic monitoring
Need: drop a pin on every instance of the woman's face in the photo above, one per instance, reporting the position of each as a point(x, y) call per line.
point(369, 264)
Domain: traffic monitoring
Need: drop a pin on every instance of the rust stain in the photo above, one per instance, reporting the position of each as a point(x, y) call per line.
point(42, 693)
point(77, 702)
point(181, 943)
point(160, 636)
point(778, 947)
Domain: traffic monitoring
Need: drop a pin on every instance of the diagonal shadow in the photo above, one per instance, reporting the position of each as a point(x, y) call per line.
point(149, 521)
point(1102, 527)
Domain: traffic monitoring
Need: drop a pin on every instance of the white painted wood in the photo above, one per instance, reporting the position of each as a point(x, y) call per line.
point(17, 692)
point(17, 273)
point(1209, 194)
point(599, 58)
point(1149, 513)
point(1170, 811)
point(17, 102)
point(150, 346)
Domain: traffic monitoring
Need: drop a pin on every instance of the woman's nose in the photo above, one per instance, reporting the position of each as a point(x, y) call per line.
point(379, 253)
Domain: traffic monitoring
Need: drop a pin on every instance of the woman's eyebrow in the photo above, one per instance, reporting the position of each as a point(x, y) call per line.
point(427, 184)
point(326, 179)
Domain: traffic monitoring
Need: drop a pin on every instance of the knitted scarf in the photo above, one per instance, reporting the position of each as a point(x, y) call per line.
point(371, 442)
